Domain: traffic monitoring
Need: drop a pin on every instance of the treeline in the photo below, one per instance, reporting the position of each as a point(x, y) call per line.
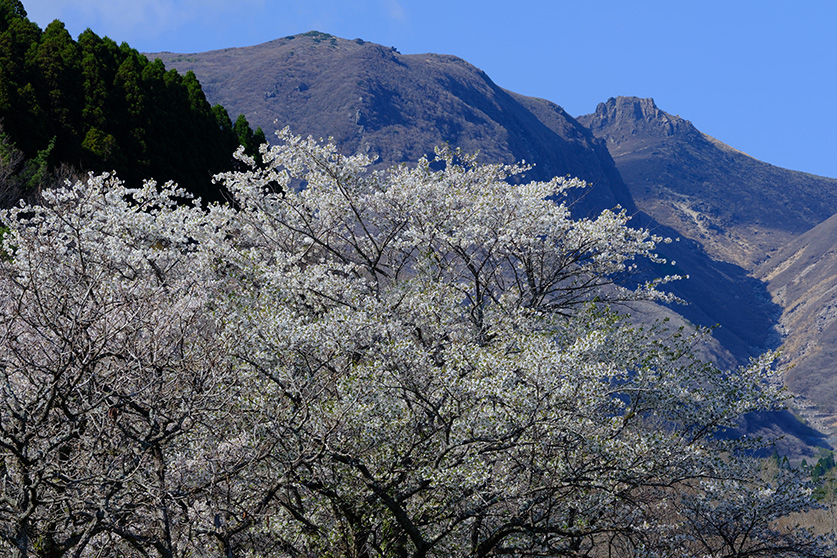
point(823, 473)
point(95, 105)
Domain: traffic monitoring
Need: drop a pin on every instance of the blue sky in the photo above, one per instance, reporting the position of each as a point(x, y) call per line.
point(758, 75)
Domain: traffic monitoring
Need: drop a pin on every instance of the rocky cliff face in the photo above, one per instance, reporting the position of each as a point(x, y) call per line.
point(631, 123)
point(738, 208)
point(370, 98)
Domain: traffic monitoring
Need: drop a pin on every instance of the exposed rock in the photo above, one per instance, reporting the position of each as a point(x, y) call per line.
point(740, 209)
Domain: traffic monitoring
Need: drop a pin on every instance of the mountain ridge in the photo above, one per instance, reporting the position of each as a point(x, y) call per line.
point(372, 99)
point(777, 224)
point(739, 208)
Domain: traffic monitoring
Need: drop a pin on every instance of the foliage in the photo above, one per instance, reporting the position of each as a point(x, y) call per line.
point(319, 36)
point(100, 106)
point(824, 465)
point(247, 138)
point(11, 171)
point(22, 178)
point(414, 362)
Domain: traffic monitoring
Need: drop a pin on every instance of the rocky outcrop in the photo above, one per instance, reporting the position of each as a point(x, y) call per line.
point(740, 209)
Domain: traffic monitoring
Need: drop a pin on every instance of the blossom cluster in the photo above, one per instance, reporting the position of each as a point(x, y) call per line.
point(420, 361)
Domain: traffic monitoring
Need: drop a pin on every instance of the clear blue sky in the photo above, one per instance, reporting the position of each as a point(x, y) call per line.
point(760, 75)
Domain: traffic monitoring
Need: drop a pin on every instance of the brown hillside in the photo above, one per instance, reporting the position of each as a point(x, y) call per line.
point(399, 107)
point(737, 207)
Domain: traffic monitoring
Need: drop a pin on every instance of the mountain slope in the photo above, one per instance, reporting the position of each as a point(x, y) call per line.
point(744, 211)
point(371, 98)
point(802, 277)
point(737, 207)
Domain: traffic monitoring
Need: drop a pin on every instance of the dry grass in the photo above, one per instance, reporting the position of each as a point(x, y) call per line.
point(820, 522)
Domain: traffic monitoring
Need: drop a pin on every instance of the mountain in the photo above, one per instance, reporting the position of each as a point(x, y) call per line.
point(802, 277)
point(737, 207)
point(775, 223)
point(370, 98)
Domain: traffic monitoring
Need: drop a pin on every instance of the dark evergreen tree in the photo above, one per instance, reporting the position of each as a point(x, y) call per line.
point(247, 138)
point(99, 106)
point(258, 137)
point(243, 132)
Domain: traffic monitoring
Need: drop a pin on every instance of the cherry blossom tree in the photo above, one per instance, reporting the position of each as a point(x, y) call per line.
point(109, 368)
point(421, 361)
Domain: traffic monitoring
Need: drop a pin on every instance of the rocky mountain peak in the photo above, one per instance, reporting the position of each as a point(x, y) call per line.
point(620, 108)
point(624, 119)
point(738, 208)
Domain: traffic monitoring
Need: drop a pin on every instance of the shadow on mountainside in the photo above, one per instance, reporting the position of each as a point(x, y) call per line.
point(739, 307)
point(794, 437)
point(718, 294)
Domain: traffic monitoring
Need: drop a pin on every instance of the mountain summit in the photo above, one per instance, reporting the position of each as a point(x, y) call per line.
point(371, 98)
point(632, 122)
point(737, 207)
